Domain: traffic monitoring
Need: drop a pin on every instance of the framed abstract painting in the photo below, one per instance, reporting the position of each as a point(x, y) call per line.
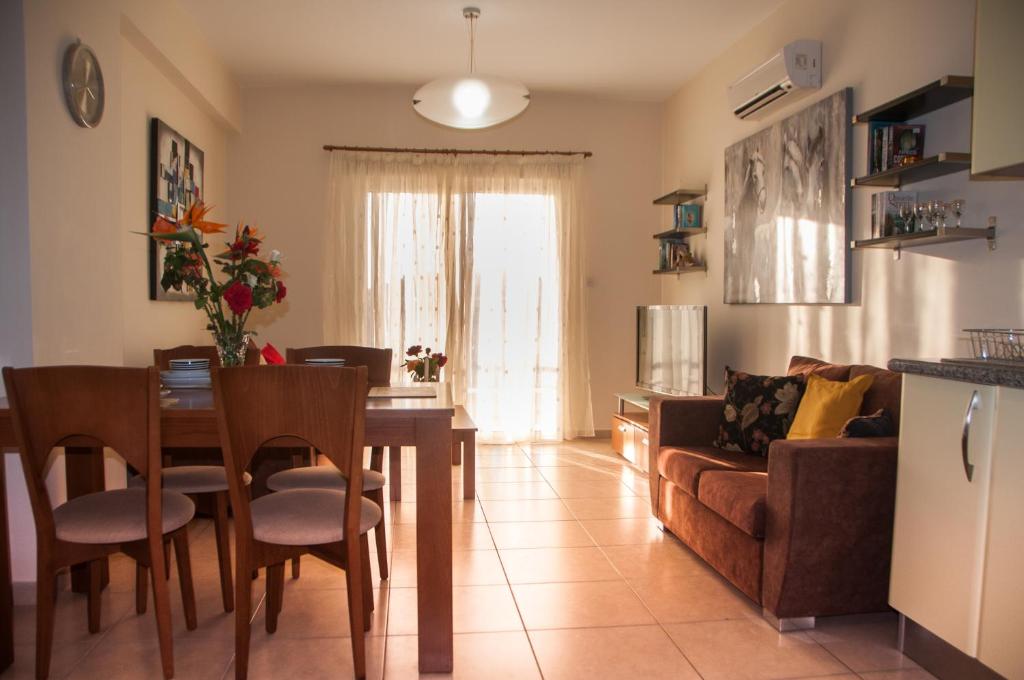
point(787, 209)
point(175, 183)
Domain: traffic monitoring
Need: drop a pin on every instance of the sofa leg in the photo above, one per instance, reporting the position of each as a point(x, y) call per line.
point(786, 625)
point(661, 526)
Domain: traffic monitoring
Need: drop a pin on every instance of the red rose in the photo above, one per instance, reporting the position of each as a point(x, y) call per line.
point(281, 292)
point(239, 298)
point(441, 361)
point(414, 350)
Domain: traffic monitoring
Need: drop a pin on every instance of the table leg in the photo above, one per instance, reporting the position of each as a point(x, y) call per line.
point(85, 475)
point(434, 543)
point(395, 472)
point(6, 590)
point(469, 466)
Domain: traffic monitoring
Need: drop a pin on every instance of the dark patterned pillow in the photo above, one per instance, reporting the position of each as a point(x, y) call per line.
point(878, 424)
point(758, 409)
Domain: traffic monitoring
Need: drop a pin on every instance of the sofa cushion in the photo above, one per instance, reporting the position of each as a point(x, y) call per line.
point(758, 409)
point(827, 405)
point(685, 466)
point(738, 497)
point(884, 392)
point(878, 424)
point(806, 366)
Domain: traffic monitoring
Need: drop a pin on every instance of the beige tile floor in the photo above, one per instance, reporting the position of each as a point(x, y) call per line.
point(559, 574)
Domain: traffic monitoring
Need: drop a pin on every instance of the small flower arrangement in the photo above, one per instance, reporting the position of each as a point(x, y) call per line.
point(249, 281)
point(424, 366)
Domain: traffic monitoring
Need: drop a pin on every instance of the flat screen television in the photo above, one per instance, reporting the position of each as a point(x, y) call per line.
point(671, 349)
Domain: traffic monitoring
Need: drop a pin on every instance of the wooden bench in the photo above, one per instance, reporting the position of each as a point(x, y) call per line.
point(463, 446)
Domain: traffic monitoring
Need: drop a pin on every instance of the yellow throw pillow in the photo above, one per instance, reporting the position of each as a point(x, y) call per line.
point(827, 405)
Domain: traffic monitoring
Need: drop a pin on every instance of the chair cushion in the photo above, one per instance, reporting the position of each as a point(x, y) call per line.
point(738, 497)
point(684, 466)
point(307, 517)
point(758, 409)
point(192, 479)
point(320, 477)
point(117, 516)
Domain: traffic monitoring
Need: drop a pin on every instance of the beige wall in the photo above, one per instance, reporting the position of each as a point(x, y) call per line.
point(148, 93)
point(86, 188)
point(912, 308)
point(278, 180)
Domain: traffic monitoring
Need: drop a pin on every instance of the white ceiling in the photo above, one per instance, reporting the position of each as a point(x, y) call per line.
point(636, 49)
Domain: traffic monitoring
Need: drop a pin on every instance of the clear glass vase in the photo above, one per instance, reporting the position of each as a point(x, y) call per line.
point(231, 347)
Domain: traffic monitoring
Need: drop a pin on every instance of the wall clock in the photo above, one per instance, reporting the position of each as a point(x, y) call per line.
point(83, 85)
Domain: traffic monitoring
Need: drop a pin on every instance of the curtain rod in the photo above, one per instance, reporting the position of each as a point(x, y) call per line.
point(456, 152)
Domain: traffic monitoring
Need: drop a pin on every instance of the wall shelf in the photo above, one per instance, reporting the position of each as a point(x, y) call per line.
point(931, 237)
point(683, 270)
point(680, 196)
point(680, 234)
point(927, 168)
point(933, 96)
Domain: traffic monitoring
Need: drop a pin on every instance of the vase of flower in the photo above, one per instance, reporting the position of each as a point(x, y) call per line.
point(231, 348)
point(247, 281)
point(424, 366)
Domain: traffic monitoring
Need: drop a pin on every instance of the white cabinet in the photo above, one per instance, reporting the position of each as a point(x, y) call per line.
point(938, 537)
point(1002, 599)
point(997, 146)
point(958, 540)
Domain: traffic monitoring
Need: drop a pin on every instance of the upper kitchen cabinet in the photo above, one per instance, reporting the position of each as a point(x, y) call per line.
point(997, 133)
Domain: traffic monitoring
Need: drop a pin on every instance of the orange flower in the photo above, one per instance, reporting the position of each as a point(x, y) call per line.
point(164, 226)
point(195, 218)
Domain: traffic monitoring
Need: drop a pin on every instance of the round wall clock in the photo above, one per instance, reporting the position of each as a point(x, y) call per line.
point(83, 85)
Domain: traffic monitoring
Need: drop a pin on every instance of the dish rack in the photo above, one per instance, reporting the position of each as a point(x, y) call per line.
point(1003, 344)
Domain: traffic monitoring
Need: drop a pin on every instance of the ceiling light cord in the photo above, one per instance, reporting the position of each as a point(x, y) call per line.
point(472, 14)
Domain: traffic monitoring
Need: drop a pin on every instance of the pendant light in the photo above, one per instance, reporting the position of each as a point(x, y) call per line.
point(472, 101)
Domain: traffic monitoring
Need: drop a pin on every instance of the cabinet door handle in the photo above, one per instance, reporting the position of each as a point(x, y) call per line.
point(972, 405)
point(622, 428)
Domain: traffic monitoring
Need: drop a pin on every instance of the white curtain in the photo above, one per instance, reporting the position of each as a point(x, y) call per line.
point(480, 256)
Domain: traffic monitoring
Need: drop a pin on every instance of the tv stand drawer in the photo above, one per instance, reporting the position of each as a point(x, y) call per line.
point(630, 438)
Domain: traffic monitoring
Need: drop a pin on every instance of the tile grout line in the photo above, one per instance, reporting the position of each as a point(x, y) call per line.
point(633, 590)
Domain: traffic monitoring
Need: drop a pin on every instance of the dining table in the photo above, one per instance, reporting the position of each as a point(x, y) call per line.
point(395, 417)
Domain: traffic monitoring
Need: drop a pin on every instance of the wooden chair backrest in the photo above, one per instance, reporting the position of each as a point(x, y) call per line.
point(309, 406)
point(54, 406)
point(162, 357)
point(376, 360)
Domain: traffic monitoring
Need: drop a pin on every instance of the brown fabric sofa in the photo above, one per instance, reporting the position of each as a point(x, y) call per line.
point(806, 532)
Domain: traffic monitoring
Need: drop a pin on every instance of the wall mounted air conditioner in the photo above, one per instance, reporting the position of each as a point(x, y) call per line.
point(795, 67)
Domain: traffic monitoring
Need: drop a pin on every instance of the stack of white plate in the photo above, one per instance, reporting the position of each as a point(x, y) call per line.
point(186, 374)
point(325, 362)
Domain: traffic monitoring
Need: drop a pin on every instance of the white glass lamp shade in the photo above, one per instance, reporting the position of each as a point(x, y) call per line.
point(471, 102)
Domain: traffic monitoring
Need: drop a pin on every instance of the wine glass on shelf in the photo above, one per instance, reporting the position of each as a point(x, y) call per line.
point(907, 217)
point(938, 210)
point(957, 206)
point(920, 216)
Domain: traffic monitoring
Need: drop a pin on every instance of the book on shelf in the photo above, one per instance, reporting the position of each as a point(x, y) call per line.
point(893, 145)
point(885, 212)
point(687, 217)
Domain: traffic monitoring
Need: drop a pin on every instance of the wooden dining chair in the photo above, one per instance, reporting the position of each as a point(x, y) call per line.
point(323, 408)
point(93, 406)
point(378, 370)
point(201, 481)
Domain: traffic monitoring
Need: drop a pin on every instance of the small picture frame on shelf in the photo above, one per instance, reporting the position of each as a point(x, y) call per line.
point(687, 216)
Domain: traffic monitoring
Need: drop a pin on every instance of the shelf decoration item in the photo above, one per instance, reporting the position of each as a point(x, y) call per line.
point(248, 281)
point(424, 366)
point(894, 145)
point(687, 216)
point(786, 209)
point(892, 213)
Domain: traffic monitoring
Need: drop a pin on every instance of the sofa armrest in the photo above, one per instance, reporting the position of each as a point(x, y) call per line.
point(679, 421)
point(828, 534)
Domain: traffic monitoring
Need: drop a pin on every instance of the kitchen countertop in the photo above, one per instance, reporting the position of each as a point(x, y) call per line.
point(965, 370)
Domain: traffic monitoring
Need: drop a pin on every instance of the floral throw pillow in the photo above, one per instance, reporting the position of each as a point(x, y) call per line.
point(758, 409)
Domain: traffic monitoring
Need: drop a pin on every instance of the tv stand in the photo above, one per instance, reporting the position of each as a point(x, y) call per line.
point(630, 428)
